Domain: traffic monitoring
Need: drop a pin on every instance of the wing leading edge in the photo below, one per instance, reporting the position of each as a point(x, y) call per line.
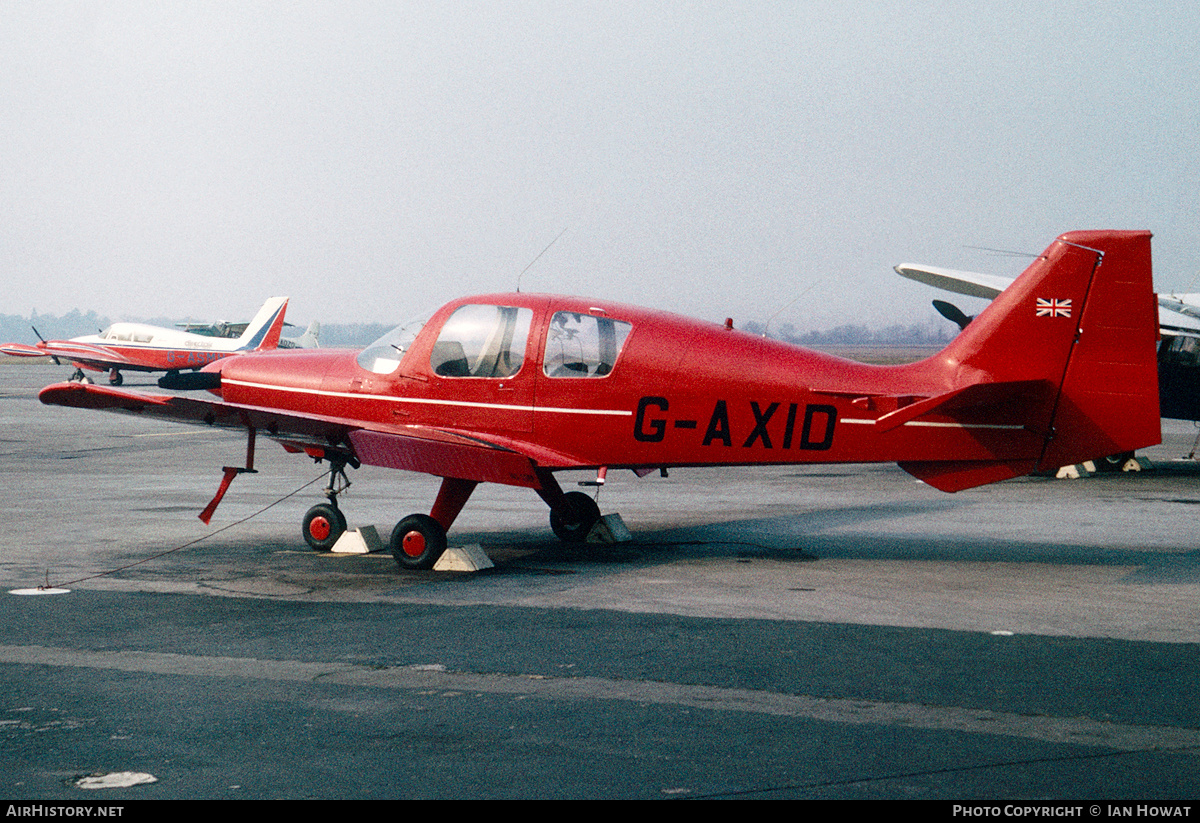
point(410, 448)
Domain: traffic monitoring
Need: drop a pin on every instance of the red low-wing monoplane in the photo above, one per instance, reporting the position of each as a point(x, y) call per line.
point(512, 388)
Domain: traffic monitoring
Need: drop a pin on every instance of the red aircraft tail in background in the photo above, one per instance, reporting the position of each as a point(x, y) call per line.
point(511, 388)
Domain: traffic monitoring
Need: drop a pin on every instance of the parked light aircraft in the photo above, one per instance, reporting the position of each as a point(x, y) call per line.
point(140, 347)
point(514, 388)
point(309, 340)
point(1178, 322)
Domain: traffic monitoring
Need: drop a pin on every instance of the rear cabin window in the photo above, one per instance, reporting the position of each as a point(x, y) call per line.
point(583, 345)
point(482, 341)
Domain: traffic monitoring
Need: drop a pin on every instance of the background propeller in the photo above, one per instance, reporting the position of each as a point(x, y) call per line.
point(952, 313)
point(56, 361)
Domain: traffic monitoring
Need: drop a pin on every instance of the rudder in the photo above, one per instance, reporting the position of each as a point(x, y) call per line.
point(1108, 400)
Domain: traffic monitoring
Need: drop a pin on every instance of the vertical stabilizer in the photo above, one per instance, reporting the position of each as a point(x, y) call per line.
point(262, 333)
point(1078, 332)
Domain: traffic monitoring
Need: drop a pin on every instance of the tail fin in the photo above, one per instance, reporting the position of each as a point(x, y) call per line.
point(1081, 323)
point(263, 332)
point(311, 339)
point(308, 340)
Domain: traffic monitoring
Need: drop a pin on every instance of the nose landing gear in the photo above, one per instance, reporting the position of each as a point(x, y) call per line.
point(324, 523)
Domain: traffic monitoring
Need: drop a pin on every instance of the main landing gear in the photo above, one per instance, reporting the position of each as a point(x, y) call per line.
point(418, 540)
point(573, 517)
point(115, 378)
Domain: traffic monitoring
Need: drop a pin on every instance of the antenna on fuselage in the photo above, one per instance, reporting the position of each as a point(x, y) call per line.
point(767, 327)
point(534, 260)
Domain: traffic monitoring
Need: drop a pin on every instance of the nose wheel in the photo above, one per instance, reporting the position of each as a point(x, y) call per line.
point(323, 525)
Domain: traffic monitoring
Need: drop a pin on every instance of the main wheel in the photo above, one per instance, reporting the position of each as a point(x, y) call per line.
point(1114, 462)
point(323, 525)
point(417, 542)
point(573, 518)
point(115, 377)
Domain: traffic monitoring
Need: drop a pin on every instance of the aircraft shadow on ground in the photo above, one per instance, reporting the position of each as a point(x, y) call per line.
point(932, 530)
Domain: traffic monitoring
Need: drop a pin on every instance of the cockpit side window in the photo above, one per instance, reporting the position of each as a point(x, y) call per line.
point(482, 341)
point(583, 345)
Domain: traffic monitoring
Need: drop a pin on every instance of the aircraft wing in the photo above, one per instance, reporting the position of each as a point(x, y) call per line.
point(441, 452)
point(22, 350)
point(1178, 313)
point(98, 356)
point(79, 353)
point(969, 283)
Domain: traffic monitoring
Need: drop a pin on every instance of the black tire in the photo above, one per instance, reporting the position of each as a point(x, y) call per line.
point(115, 378)
point(572, 519)
point(1114, 462)
point(417, 542)
point(323, 525)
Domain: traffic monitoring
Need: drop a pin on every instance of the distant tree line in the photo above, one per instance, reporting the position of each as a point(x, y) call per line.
point(858, 334)
point(17, 329)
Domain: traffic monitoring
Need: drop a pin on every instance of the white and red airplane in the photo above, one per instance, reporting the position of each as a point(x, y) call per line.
point(141, 347)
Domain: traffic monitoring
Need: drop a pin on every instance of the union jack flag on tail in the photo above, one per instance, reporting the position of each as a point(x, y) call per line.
point(1053, 308)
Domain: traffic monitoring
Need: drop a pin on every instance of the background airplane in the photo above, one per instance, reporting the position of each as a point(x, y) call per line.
point(513, 388)
point(1178, 323)
point(141, 347)
point(309, 340)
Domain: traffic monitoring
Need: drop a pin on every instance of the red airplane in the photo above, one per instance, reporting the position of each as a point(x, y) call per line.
point(513, 388)
point(140, 347)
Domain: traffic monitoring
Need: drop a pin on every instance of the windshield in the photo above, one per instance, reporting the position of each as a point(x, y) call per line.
point(384, 355)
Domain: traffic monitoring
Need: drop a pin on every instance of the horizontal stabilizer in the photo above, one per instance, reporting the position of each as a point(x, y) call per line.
point(957, 475)
point(977, 396)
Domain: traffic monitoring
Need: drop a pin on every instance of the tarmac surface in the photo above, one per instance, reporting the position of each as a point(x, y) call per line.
point(800, 632)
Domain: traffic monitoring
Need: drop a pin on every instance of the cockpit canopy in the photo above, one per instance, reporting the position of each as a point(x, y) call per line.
point(492, 341)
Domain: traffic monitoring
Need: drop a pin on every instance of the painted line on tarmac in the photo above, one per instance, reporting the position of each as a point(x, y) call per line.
point(1080, 731)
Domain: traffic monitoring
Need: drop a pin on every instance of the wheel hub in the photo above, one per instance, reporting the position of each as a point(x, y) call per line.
point(413, 544)
point(320, 528)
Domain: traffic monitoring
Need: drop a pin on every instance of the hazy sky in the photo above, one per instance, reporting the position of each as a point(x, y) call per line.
point(373, 159)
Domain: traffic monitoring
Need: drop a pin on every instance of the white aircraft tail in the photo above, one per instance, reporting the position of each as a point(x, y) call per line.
point(262, 334)
point(310, 338)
